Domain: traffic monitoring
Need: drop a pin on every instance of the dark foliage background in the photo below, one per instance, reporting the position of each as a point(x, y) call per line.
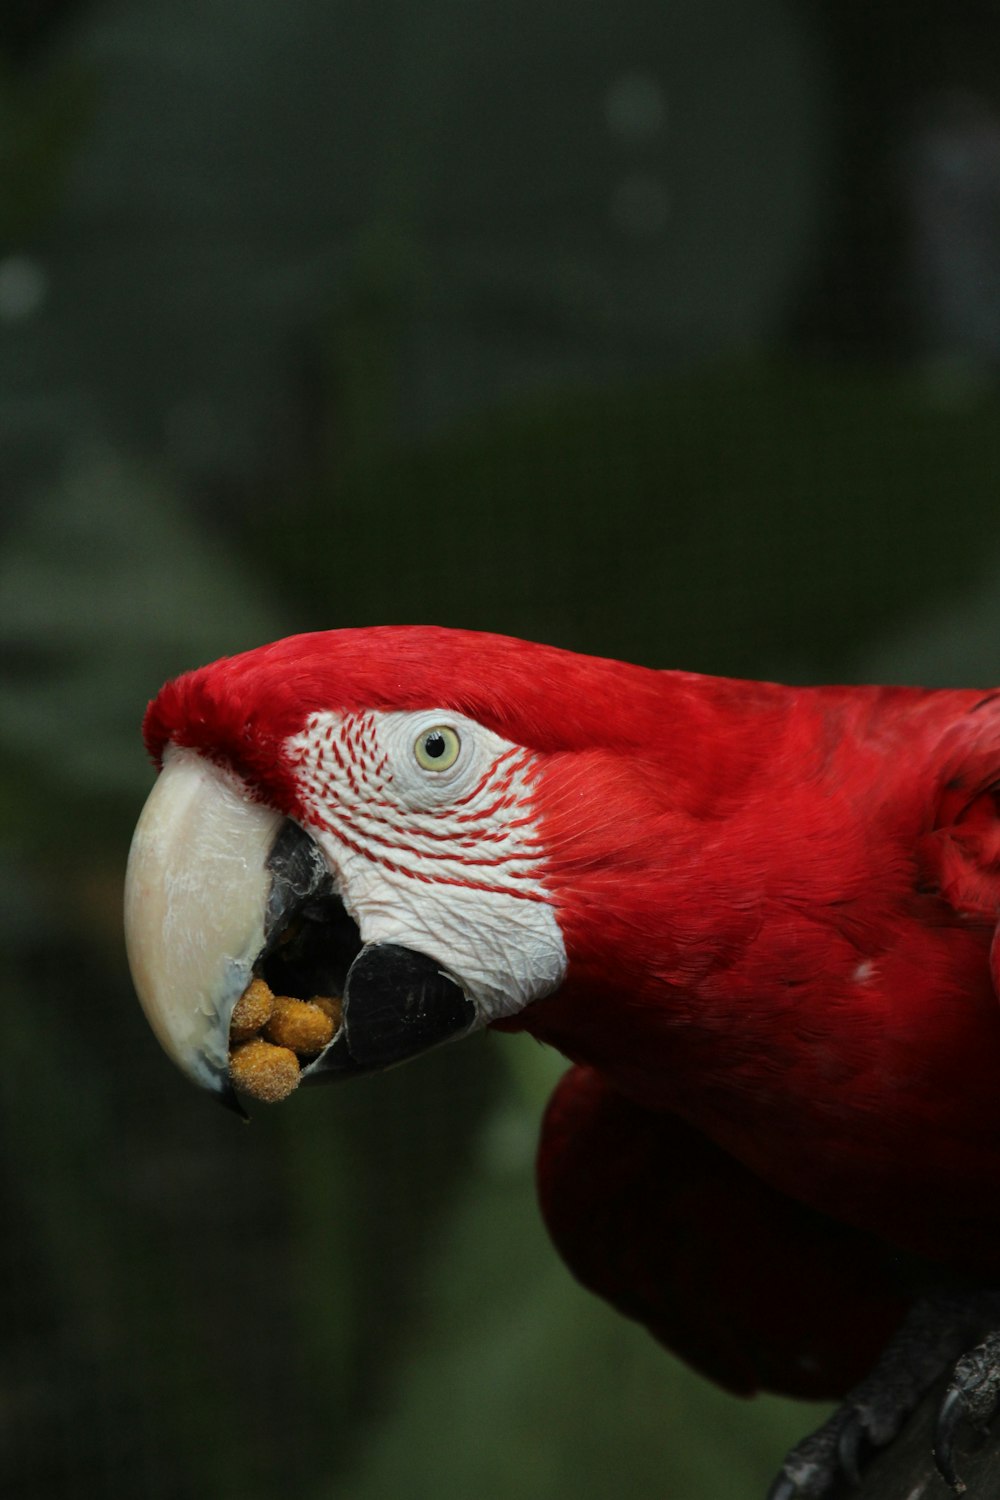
point(668, 332)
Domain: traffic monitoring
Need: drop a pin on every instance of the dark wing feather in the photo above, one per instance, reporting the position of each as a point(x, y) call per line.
point(749, 1287)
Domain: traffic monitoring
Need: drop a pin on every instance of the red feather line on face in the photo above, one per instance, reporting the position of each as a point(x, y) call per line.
point(332, 763)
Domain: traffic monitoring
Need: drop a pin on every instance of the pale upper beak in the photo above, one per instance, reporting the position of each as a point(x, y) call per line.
point(196, 893)
point(215, 882)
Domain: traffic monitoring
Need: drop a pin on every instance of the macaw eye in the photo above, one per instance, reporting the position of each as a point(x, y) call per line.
point(437, 749)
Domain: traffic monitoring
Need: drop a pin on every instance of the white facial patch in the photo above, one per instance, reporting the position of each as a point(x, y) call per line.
point(435, 850)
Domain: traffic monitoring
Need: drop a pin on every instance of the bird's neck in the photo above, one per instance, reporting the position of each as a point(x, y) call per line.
point(690, 882)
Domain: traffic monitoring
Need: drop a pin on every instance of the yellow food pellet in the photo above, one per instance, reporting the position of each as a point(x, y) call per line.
point(252, 1011)
point(263, 1071)
point(330, 1005)
point(298, 1024)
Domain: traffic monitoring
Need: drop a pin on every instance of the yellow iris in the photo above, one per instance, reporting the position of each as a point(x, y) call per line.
point(437, 749)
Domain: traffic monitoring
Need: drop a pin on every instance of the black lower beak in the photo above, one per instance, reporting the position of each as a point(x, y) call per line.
point(397, 1003)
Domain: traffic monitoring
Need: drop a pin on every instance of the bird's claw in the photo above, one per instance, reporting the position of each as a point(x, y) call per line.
point(815, 1468)
point(844, 1444)
point(971, 1400)
point(925, 1345)
point(852, 1445)
point(783, 1488)
point(950, 1417)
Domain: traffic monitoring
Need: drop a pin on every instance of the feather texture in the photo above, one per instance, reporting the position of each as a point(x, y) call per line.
point(778, 907)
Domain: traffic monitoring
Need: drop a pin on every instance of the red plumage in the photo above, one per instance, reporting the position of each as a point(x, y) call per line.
point(778, 906)
point(750, 1287)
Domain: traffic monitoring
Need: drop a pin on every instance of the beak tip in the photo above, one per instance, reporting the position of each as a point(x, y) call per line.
point(224, 1093)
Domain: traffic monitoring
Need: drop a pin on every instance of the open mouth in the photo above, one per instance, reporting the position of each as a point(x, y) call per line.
point(321, 1004)
point(311, 940)
point(292, 1012)
point(245, 959)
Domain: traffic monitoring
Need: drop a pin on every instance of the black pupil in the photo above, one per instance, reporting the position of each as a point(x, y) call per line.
point(434, 745)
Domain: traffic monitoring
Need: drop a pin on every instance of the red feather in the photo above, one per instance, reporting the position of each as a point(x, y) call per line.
point(778, 906)
point(748, 1286)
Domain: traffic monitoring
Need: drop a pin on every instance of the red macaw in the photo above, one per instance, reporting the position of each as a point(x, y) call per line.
point(759, 920)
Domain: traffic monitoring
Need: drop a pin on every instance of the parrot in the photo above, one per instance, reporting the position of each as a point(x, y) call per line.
point(759, 921)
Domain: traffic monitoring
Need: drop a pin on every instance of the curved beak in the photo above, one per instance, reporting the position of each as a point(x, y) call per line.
point(196, 894)
point(221, 889)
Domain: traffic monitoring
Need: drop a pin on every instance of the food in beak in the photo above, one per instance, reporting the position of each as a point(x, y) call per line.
point(267, 1073)
point(239, 944)
point(269, 1034)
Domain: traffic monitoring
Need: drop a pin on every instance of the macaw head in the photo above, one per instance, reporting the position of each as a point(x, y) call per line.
point(379, 814)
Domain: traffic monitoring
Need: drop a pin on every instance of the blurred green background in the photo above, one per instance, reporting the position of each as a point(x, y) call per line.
point(664, 332)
